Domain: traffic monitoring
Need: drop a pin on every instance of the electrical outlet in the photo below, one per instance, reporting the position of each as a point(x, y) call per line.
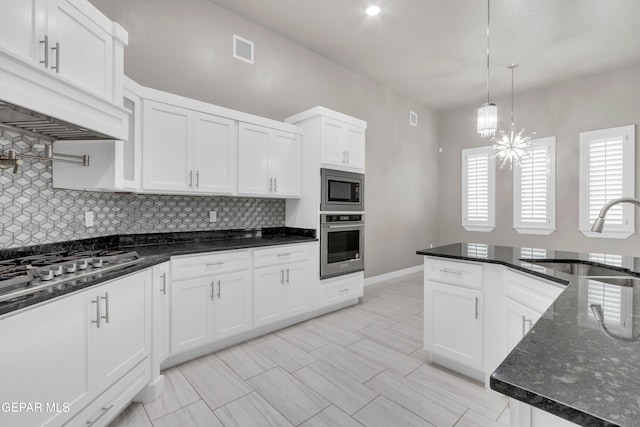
point(213, 216)
point(88, 219)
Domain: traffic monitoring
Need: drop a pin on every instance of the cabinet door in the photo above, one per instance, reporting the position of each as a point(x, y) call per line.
point(124, 336)
point(85, 51)
point(332, 149)
point(284, 164)
point(22, 28)
point(253, 169)
point(167, 148)
point(297, 289)
point(268, 292)
point(520, 320)
point(232, 307)
point(161, 304)
point(354, 147)
point(453, 323)
point(191, 313)
point(45, 358)
point(215, 154)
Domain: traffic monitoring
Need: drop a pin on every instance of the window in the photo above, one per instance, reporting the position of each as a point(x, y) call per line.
point(478, 189)
point(607, 173)
point(534, 189)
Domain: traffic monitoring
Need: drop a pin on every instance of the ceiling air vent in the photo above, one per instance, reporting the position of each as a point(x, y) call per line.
point(242, 49)
point(413, 118)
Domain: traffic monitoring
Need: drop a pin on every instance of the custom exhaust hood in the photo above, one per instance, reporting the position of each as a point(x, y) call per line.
point(23, 121)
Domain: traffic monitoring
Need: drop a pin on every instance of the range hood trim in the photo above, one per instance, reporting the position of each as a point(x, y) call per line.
point(29, 88)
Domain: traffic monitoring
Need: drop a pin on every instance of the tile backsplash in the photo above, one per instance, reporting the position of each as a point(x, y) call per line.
point(33, 212)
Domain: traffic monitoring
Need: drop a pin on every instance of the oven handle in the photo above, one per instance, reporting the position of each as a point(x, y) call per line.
point(354, 226)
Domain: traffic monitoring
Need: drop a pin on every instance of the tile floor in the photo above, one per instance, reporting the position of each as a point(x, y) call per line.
point(360, 366)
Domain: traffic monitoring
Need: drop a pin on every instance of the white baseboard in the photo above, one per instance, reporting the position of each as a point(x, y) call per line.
point(392, 275)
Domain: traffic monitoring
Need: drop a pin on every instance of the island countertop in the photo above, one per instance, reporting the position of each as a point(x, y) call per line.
point(566, 364)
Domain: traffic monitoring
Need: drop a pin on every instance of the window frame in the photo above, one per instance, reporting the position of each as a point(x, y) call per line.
point(627, 133)
point(524, 227)
point(490, 223)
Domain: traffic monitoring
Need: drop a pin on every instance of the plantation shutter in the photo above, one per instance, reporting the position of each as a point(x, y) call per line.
point(606, 178)
point(533, 186)
point(478, 187)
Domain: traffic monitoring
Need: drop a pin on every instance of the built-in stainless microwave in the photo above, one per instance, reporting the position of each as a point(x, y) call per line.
point(341, 191)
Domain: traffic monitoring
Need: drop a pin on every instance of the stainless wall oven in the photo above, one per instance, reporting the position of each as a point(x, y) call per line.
point(341, 191)
point(341, 244)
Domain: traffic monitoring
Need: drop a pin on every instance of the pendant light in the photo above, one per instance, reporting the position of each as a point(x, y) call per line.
point(488, 113)
point(512, 147)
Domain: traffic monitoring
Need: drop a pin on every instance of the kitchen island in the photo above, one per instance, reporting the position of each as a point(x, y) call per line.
point(567, 364)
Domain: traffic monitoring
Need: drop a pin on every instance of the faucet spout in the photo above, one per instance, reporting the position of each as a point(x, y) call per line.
point(598, 224)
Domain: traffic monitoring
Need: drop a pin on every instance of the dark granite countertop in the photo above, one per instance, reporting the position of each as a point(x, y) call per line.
point(155, 248)
point(566, 364)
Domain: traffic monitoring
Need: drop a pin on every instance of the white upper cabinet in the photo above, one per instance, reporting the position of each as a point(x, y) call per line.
point(64, 59)
point(268, 161)
point(68, 37)
point(186, 151)
point(341, 145)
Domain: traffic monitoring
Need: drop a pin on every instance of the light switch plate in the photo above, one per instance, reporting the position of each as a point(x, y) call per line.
point(213, 216)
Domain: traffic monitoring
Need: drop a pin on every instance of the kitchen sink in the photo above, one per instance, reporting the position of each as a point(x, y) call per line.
point(593, 272)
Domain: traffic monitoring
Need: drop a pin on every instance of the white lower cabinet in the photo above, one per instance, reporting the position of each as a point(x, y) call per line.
point(161, 312)
point(214, 306)
point(454, 327)
point(520, 320)
point(280, 292)
point(66, 353)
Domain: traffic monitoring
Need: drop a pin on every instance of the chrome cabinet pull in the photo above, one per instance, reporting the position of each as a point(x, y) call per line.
point(190, 178)
point(446, 270)
point(212, 291)
point(97, 303)
point(104, 411)
point(270, 185)
point(523, 320)
point(477, 302)
point(287, 275)
point(106, 306)
point(275, 185)
point(219, 289)
point(348, 156)
point(197, 179)
point(164, 283)
point(282, 276)
point(57, 66)
point(285, 254)
point(46, 51)
point(210, 264)
point(344, 290)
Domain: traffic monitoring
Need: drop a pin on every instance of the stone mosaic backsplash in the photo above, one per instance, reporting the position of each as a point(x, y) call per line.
point(33, 212)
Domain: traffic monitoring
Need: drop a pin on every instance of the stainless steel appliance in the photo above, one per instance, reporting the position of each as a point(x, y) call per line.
point(341, 191)
point(24, 276)
point(341, 244)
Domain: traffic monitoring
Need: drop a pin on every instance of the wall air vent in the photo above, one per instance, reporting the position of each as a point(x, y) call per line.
point(413, 118)
point(242, 49)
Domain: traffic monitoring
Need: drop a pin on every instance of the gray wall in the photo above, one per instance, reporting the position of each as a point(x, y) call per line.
point(184, 47)
point(33, 212)
point(562, 110)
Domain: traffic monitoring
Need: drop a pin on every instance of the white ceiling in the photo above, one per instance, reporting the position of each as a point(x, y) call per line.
point(434, 51)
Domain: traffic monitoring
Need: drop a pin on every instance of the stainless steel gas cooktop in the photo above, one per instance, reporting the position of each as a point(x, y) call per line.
point(26, 275)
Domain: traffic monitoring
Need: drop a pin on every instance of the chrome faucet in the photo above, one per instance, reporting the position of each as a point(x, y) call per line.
point(598, 224)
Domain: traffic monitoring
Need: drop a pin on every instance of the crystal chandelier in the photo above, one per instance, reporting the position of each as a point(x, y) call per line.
point(488, 113)
point(512, 147)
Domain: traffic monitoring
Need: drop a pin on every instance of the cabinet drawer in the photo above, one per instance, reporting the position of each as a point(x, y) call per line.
point(457, 273)
point(335, 291)
point(280, 255)
point(532, 292)
point(187, 267)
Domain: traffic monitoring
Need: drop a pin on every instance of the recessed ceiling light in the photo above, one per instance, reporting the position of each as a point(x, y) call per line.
point(373, 10)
